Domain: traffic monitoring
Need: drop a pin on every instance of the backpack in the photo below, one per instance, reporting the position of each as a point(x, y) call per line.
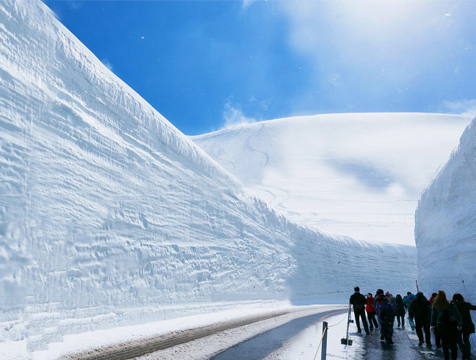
point(386, 314)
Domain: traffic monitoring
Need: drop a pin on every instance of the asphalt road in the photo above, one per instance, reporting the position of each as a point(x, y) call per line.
point(405, 347)
point(143, 347)
point(260, 346)
point(135, 349)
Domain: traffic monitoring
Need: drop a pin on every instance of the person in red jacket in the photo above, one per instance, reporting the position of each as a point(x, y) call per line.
point(371, 311)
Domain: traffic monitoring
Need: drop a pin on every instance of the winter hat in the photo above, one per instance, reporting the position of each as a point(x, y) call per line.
point(388, 294)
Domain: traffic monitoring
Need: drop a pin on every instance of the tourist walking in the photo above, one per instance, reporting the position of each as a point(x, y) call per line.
point(400, 310)
point(446, 321)
point(359, 302)
point(437, 337)
point(390, 298)
point(468, 326)
point(408, 299)
point(420, 311)
point(377, 293)
point(371, 311)
point(386, 317)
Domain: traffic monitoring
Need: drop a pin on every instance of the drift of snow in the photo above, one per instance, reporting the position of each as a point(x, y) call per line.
point(109, 216)
point(358, 175)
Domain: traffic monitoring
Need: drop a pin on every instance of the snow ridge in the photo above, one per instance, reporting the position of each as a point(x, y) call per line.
point(358, 175)
point(110, 216)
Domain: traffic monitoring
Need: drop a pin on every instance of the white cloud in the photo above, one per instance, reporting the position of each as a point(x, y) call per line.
point(463, 107)
point(233, 116)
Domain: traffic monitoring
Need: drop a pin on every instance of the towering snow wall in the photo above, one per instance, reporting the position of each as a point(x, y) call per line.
point(110, 216)
point(445, 231)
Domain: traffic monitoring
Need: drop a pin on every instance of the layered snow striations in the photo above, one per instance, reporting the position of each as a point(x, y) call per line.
point(110, 216)
point(445, 231)
point(358, 175)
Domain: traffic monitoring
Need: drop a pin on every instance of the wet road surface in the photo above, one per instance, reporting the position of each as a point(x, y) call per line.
point(260, 346)
point(405, 347)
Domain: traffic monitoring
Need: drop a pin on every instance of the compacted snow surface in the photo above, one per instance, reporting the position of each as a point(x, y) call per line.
point(110, 217)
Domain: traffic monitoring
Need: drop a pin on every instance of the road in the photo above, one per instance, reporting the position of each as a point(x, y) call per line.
point(262, 336)
point(366, 347)
point(405, 347)
point(204, 341)
point(262, 345)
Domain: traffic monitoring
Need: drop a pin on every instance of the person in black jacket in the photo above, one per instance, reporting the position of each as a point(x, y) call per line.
point(431, 300)
point(358, 301)
point(468, 326)
point(400, 310)
point(447, 321)
point(419, 310)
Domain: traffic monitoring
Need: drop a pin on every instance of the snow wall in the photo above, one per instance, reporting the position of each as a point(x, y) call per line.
point(110, 216)
point(445, 231)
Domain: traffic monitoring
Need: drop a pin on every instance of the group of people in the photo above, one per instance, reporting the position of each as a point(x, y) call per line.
point(449, 321)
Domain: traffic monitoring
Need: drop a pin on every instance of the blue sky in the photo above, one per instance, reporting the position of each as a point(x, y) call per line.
point(207, 64)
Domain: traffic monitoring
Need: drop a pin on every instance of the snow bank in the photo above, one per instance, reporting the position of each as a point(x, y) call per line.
point(358, 175)
point(109, 216)
point(445, 230)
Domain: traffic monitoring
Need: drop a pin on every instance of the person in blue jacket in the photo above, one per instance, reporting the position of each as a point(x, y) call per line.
point(407, 300)
point(386, 316)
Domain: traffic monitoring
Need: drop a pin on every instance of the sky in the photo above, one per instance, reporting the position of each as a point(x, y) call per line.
point(209, 64)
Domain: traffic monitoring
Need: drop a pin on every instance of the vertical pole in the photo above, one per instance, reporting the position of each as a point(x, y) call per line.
point(348, 322)
point(324, 341)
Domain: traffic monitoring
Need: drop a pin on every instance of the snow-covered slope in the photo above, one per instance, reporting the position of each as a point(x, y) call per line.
point(358, 175)
point(445, 231)
point(110, 216)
